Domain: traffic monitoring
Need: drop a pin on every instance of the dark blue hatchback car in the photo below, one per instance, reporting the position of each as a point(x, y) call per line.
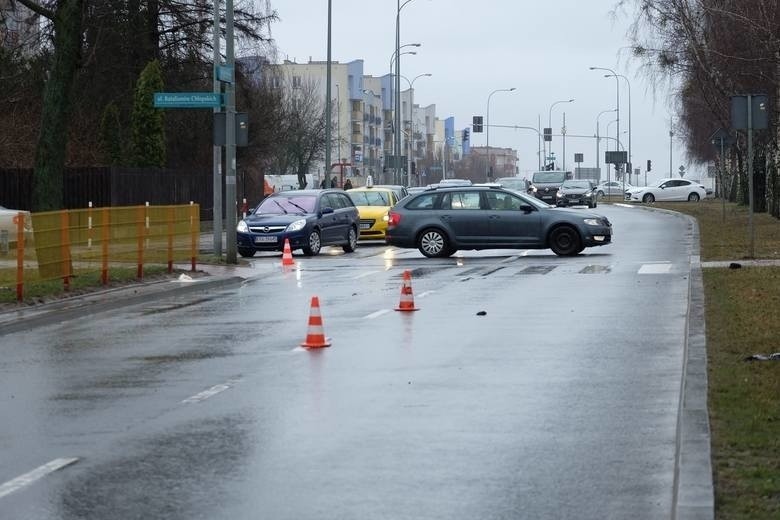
point(310, 219)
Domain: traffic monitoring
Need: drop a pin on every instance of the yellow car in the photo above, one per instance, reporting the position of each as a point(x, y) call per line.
point(373, 204)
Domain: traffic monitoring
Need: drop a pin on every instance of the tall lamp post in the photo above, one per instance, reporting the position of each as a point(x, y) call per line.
point(549, 119)
point(628, 83)
point(487, 131)
point(397, 136)
point(617, 102)
point(409, 140)
point(598, 138)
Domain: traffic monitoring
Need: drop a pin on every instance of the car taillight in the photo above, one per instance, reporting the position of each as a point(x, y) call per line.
point(393, 219)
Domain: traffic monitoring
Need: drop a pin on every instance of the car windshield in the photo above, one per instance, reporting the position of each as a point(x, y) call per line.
point(542, 177)
point(576, 184)
point(369, 198)
point(281, 205)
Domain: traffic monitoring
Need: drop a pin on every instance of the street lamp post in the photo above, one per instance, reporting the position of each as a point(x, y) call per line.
point(409, 140)
point(549, 120)
point(617, 103)
point(397, 136)
point(487, 132)
point(628, 83)
point(598, 138)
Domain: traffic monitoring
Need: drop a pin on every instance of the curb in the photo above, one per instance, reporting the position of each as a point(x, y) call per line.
point(693, 496)
point(94, 303)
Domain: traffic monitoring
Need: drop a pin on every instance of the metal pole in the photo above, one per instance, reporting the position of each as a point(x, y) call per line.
point(751, 253)
point(328, 103)
point(410, 137)
point(397, 144)
point(671, 134)
point(217, 151)
point(338, 123)
point(230, 141)
point(563, 131)
point(539, 138)
point(722, 176)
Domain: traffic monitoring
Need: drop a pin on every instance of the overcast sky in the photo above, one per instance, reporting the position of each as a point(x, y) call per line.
point(472, 48)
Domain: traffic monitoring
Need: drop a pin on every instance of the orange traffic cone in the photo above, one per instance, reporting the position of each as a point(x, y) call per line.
point(315, 336)
point(407, 300)
point(287, 258)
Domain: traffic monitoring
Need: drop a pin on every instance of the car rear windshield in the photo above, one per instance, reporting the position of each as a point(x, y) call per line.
point(281, 205)
point(369, 198)
point(542, 177)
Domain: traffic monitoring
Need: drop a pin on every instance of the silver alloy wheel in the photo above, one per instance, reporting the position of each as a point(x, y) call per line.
point(693, 197)
point(315, 244)
point(432, 243)
point(648, 198)
point(352, 241)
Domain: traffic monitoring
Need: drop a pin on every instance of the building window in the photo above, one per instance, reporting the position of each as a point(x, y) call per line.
point(296, 82)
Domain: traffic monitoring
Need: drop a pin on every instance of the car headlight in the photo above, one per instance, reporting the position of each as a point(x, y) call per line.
point(297, 225)
point(386, 217)
point(593, 222)
point(588, 193)
point(559, 194)
point(242, 227)
point(533, 189)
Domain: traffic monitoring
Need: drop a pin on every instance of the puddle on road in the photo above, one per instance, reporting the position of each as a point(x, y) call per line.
point(537, 269)
point(596, 269)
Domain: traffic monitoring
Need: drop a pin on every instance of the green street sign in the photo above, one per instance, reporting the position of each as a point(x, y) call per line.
point(187, 100)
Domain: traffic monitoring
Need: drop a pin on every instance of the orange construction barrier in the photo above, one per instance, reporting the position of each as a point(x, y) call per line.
point(315, 335)
point(407, 299)
point(287, 258)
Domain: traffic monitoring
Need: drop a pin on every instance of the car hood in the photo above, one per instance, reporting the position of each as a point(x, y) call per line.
point(575, 212)
point(575, 191)
point(542, 185)
point(273, 219)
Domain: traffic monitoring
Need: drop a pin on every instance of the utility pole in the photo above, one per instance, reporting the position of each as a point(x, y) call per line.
point(328, 105)
point(230, 141)
point(217, 152)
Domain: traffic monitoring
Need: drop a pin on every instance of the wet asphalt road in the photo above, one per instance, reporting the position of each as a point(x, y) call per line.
point(560, 402)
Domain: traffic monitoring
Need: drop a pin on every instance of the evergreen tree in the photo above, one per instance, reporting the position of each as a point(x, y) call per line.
point(110, 136)
point(148, 123)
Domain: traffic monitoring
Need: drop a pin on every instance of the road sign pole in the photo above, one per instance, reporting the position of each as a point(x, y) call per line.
point(230, 143)
point(751, 253)
point(217, 150)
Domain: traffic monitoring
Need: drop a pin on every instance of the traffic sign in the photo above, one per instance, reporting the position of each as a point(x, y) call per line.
point(187, 100)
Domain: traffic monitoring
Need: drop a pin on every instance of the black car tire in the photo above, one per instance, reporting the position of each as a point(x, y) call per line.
point(352, 240)
point(648, 198)
point(693, 197)
point(565, 241)
point(246, 253)
point(433, 243)
point(600, 194)
point(315, 244)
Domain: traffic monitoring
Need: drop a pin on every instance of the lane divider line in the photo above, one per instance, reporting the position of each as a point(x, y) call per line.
point(424, 294)
point(376, 314)
point(202, 396)
point(36, 474)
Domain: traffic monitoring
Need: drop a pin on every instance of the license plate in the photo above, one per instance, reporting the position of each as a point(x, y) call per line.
point(365, 226)
point(548, 197)
point(259, 240)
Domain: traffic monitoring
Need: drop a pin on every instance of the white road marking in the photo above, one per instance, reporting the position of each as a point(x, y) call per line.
point(625, 205)
point(426, 293)
point(211, 392)
point(358, 277)
point(376, 314)
point(36, 474)
point(655, 268)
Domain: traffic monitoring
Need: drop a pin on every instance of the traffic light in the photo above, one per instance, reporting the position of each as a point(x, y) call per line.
point(466, 134)
point(476, 124)
point(649, 165)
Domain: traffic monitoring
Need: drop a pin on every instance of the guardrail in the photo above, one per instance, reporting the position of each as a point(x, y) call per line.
point(61, 245)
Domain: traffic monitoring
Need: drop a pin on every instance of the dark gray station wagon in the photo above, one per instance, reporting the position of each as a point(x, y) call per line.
point(440, 221)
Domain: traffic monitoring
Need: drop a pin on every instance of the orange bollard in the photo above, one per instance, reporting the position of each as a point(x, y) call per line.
point(407, 299)
point(287, 258)
point(315, 335)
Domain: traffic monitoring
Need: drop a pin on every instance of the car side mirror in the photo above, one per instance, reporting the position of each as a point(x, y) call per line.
point(326, 210)
point(526, 208)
